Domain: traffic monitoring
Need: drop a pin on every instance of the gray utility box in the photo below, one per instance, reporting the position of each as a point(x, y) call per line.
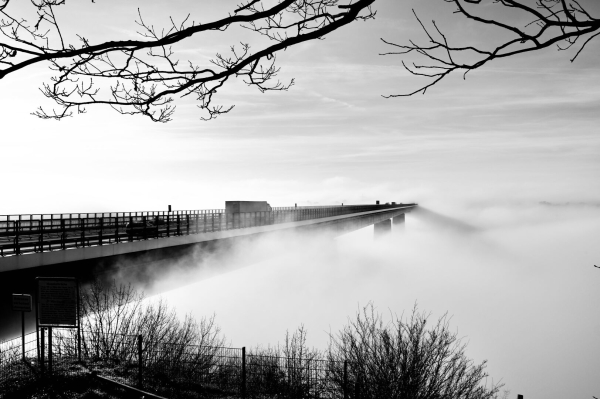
point(247, 206)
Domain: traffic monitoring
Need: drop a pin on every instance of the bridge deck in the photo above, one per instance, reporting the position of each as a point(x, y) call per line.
point(49, 239)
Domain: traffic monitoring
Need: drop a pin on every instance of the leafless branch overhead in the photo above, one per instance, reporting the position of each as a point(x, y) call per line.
point(564, 23)
point(143, 76)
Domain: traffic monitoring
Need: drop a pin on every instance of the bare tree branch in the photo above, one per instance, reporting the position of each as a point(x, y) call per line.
point(552, 22)
point(143, 76)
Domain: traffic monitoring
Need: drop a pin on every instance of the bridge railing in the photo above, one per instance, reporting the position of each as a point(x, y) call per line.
point(24, 234)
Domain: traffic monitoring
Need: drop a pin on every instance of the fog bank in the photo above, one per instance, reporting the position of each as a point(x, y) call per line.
point(518, 281)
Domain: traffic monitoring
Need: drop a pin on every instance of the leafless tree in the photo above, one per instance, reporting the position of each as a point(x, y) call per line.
point(142, 76)
point(407, 359)
point(564, 23)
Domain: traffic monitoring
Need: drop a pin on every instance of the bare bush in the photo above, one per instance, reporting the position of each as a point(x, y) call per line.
point(290, 371)
point(111, 311)
point(114, 315)
point(406, 359)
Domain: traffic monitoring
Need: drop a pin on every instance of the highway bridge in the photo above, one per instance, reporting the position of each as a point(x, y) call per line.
point(29, 241)
point(139, 247)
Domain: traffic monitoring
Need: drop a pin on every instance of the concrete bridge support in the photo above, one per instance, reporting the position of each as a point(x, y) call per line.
point(399, 223)
point(382, 228)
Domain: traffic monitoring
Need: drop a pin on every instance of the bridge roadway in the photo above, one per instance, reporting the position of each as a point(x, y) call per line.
point(97, 246)
point(30, 242)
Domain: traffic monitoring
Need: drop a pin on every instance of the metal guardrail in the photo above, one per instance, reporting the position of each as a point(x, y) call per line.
point(24, 234)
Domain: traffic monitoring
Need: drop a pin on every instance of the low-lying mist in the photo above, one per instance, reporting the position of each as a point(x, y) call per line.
point(518, 281)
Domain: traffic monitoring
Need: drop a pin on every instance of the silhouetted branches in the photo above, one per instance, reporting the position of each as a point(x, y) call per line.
point(143, 76)
point(408, 359)
point(291, 371)
point(114, 313)
point(564, 23)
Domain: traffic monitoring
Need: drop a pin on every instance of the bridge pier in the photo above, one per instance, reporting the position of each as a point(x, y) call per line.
point(382, 228)
point(399, 223)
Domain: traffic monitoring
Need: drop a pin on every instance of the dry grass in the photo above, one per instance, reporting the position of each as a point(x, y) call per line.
point(78, 383)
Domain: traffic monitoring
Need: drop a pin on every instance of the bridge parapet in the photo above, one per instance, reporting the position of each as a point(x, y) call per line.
point(25, 234)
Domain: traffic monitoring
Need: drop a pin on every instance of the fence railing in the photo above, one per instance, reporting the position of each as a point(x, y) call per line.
point(178, 371)
point(24, 234)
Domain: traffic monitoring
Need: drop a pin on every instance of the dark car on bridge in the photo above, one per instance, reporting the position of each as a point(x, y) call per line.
point(140, 228)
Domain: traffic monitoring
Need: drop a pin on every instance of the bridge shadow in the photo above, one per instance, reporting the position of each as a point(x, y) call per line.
point(204, 261)
point(152, 272)
point(441, 221)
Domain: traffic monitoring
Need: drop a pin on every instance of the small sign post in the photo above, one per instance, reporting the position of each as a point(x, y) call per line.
point(22, 303)
point(57, 305)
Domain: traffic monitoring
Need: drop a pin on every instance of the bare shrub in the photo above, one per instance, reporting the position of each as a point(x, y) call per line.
point(291, 371)
point(112, 314)
point(265, 372)
point(173, 350)
point(406, 358)
point(13, 372)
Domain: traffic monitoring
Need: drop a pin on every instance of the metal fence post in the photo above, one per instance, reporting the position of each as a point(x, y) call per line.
point(37, 344)
point(82, 224)
point(140, 360)
point(63, 244)
point(16, 228)
point(244, 372)
point(345, 388)
point(78, 325)
point(23, 333)
point(41, 233)
point(50, 360)
point(129, 234)
point(101, 230)
point(145, 231)
point(42, 351)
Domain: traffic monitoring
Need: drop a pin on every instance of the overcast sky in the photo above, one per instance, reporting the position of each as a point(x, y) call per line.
point(521, 129)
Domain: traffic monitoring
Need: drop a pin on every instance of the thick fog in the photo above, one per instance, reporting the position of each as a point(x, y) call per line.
point(517, 279)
